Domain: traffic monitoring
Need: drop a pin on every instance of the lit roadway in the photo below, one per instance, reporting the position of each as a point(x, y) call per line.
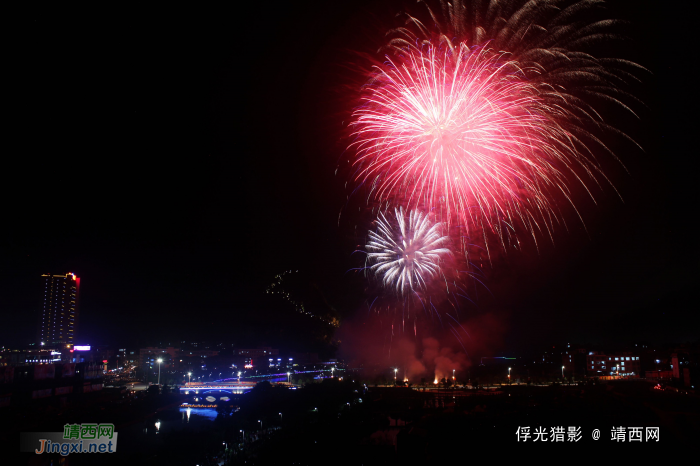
point(136, 386)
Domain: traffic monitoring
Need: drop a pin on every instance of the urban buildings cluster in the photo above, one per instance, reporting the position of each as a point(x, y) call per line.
point(678, 364)
point(57, 365)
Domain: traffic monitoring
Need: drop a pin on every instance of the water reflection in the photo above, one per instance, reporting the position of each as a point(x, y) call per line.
point(208, 414)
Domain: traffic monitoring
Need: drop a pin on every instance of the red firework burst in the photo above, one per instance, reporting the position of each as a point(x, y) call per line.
point(485, 138)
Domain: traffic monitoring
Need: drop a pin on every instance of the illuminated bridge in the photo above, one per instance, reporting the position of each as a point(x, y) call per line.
point(201, 388)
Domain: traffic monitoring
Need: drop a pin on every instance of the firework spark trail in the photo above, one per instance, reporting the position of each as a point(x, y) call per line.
point(406, 253)
point(487, 126)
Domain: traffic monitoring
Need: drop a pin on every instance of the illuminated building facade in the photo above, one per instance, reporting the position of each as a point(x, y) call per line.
point(622, 364)
point(255, 357)
point(59, 314)
point(148, 357)
point(574, 360)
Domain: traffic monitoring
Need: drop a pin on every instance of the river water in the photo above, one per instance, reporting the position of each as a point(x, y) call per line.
point(147, 436)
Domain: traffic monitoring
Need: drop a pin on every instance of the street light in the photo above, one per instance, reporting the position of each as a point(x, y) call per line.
point(189, 374)
point(159, 361)
point(395, 371)
point(260, 424)
point(288, 374)
point(562, 372)
point(332, 370)
point(509, 376)
point(280, 416)
point(453, 379)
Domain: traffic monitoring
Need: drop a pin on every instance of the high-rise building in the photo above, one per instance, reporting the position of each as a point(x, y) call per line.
point(59, 315)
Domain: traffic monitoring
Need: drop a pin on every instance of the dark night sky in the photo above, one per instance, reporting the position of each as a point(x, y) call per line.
point(177, 160)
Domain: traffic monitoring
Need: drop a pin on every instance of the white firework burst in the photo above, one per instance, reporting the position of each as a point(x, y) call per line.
point(406, 253)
